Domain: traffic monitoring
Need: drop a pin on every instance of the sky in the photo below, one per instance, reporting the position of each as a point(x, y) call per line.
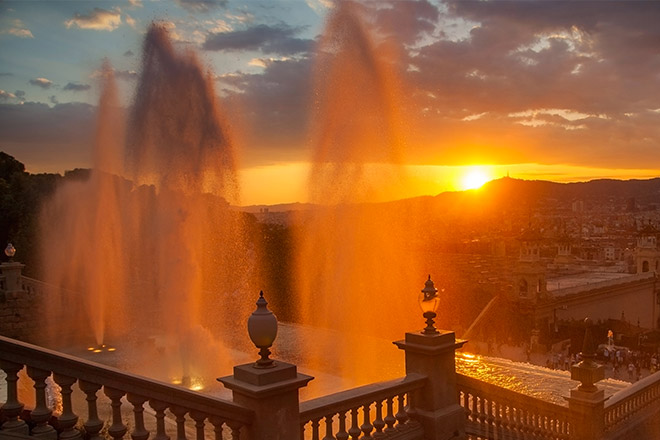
point(555, 90)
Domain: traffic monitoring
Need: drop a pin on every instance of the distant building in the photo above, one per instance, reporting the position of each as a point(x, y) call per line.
point(647, 254)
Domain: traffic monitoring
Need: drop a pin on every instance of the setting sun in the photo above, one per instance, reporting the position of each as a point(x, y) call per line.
point(474, 178)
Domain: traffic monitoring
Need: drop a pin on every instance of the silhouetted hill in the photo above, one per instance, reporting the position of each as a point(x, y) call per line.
point(643, 191)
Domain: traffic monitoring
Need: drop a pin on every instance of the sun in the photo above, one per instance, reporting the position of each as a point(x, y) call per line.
point(474, 178)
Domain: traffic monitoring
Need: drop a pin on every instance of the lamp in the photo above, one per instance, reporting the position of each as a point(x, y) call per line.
point(262, 328)
point(429, 302)
point(10, 251)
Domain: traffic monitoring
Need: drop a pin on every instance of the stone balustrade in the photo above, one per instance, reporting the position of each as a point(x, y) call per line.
point(496, 412)
point(227, 419)
point(637, 403)
point(378, 411)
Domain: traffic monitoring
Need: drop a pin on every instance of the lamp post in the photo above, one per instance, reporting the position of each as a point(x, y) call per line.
point(10, 251)
point(429, 302)
point(262, 328)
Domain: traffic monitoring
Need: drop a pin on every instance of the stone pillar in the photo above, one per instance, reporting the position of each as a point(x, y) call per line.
point(436, 406)
point(272, 393)
point(13, 272)
point(587, 402)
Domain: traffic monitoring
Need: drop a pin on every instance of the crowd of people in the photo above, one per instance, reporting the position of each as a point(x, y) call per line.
point(619, 362)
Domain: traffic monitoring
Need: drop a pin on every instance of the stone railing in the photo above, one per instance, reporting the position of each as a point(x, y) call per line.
point(495, 412)
point(634, 404)
point(37, 287)
point(226, 419)
point(377, 410)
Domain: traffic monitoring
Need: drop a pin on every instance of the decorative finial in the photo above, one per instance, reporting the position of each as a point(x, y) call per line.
point(262, 328)
point(10, 251)
point(429, 301)
point(588, 371)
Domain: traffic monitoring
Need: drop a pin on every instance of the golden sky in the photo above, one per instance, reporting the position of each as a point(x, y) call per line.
point(555, 90)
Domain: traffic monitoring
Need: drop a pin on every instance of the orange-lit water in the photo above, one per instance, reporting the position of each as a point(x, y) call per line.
point(148, 245)
point(356, 272)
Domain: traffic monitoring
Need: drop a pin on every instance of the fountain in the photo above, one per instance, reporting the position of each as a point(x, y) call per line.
point(148, 252)
point(147, 247)
point(354, 259)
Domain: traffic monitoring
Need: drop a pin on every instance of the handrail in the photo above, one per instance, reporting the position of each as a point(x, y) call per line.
point(59, 363)
point(493, 410)
point(625, 404)
point(380, 406)
point(348, 399)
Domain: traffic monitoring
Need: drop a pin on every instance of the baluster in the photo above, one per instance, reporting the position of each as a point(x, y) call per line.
point(506, 418)
point(328, 428)
point(12, 409)
point(117, 430)
point(315, 428)
point(480, 411)
point(401, 415)
point(199, 418)
point(341, 433)
point(160, 408)
point(235, 429)
point(139, 432)
point(379, 423)
point(498, 419)
point(490, 417)
point(67, 421)
point(390, 420)
point(41, 413)
point(366, 426)
point(466, 406)
point(180, 414)
point(217, 423)
point(93, 425)
point(354, 432)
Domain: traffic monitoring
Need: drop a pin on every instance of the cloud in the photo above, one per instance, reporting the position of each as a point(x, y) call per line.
point(6, 96)
point(49, 138)
point(20, 94)
point(129, 53)
point(127, 75)
point(136, 3)
point(131, 21)
point(18, 29)
point(75, 87)
point(407, 21)
point(53, 99)
point(201, 5)
point(41, 82)
point(267, 39)
point(282, 94)
point(99, 19)
point(6, 74)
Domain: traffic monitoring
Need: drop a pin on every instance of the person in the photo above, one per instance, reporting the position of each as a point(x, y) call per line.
point(631, 369)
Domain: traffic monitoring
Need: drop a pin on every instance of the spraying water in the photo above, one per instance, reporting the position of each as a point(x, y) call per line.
point(156, 251)
point(355, 268)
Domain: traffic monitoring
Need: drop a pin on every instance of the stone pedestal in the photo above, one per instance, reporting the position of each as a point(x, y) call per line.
point(587, 414)
point(272, 393)
point(436, 406)
point(12, 272)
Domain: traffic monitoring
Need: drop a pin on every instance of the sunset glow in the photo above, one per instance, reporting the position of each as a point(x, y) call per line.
point(474, 178)
point(483, 85)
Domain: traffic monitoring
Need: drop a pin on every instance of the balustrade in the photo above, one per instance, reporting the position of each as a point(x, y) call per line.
point(643, 396)
point(69, 373)
point(495, 412)
point(376, 411)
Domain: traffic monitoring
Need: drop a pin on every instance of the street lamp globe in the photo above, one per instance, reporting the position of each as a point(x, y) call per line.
point(10, 250)
point(429, 302)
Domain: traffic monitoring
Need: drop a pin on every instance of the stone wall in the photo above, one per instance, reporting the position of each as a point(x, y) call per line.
point(18, 317)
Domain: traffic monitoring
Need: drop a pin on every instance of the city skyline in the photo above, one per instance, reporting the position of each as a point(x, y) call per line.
point(561, 91)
